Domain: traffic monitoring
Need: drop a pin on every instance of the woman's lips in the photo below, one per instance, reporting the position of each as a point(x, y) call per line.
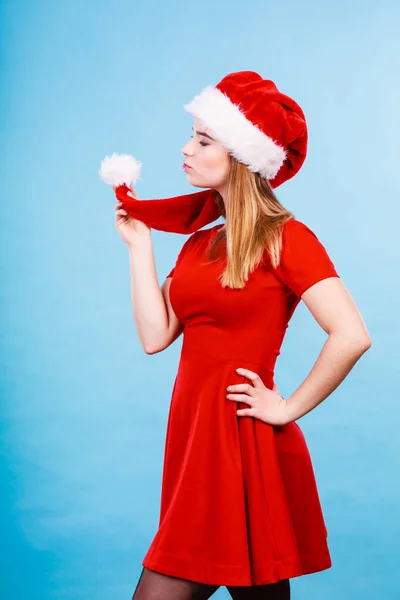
point(186, 167)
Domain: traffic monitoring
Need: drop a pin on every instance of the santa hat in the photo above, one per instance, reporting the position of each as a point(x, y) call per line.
point(257, 124)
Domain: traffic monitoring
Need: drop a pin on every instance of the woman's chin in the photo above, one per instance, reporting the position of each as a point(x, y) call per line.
point(197, 182)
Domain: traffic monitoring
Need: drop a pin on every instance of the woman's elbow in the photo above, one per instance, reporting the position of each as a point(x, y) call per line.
point(367, 343)
point(151, 350)
point(363, 339)
point(358, 341)
point(363, 345)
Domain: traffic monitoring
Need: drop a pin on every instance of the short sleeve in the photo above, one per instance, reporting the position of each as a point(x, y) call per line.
point(181, 254)
point(304, 260)
point(171, 273)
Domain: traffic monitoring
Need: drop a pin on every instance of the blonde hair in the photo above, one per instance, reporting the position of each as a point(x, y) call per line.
point(254, 218)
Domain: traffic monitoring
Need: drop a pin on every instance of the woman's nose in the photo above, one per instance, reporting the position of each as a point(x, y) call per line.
point(188, 148)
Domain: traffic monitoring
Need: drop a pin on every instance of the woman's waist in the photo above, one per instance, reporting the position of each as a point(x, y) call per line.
point(215, 348)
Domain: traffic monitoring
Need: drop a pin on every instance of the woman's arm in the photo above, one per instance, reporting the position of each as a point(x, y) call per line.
point(155, 321)
point(336, 312)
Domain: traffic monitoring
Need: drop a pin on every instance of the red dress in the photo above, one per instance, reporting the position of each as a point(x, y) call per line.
point(239, 502)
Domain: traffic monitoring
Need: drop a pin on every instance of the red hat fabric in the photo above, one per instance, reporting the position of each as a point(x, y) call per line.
point(180, 214)
point(257, 124)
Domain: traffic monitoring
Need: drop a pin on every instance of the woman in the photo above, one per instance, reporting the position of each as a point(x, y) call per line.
point(239, 504)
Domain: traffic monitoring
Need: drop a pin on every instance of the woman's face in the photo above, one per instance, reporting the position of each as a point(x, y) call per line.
point(207, 160)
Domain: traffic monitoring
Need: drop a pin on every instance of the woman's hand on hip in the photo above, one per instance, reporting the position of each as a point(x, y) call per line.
point(264, 404)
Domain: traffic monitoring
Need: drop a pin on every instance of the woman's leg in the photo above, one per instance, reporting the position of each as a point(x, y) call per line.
point(157, 586)
point(269, 591)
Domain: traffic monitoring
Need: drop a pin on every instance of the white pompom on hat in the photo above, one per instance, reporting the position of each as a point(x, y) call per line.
point(120, 169)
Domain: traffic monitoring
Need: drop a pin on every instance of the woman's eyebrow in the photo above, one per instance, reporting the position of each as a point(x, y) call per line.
point(205, 134)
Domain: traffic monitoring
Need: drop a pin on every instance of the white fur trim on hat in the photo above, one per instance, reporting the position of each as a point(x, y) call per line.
point(244, 140)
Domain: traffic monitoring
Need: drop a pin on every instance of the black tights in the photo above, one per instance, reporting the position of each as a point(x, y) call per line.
point(157, 586)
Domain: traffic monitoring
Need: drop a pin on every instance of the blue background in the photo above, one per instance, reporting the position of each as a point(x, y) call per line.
point(83, 408)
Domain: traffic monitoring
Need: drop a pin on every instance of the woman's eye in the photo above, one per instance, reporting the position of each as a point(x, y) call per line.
point(201, 143)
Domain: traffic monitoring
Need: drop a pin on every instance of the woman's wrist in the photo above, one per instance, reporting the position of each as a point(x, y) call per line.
point(142, 241)
point(291, 412)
